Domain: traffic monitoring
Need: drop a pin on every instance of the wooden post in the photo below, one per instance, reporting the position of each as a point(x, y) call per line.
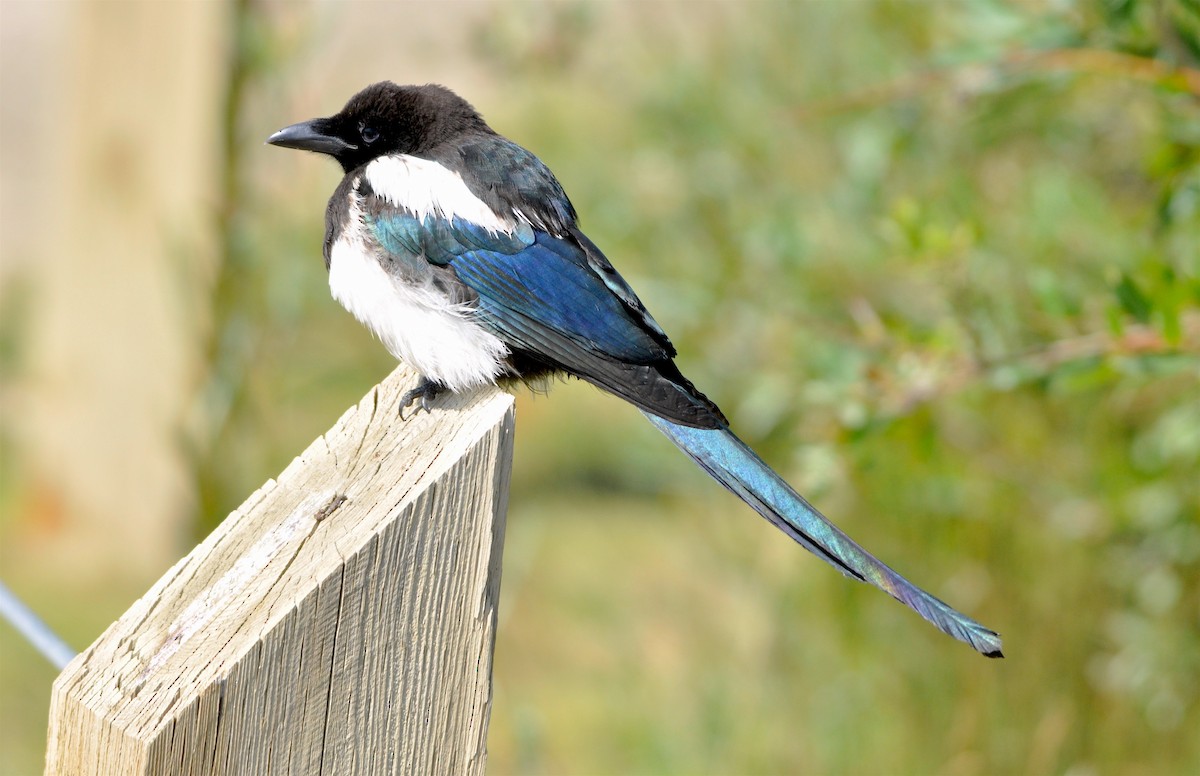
point(340, 621)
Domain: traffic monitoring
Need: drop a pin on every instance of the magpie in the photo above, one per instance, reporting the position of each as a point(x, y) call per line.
point(461, 252)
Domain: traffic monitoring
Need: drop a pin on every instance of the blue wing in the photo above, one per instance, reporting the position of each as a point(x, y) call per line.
point(544, 296)
point(514, 182)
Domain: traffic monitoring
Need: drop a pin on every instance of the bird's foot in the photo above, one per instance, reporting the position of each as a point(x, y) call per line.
point(426, 391)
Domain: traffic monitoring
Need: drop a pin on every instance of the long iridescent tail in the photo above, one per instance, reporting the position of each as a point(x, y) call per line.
point(738, 468)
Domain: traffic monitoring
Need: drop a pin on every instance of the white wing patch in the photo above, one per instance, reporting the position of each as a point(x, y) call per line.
point(416, 323)
point(426, 187)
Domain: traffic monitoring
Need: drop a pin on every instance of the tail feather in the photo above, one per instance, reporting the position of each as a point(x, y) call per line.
point(729, 461)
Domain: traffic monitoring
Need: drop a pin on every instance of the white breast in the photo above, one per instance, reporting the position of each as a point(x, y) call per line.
point(415, 322)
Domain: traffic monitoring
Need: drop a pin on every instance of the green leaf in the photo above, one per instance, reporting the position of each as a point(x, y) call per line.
point(1132, 300)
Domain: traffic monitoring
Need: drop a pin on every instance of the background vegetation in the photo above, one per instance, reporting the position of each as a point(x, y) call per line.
point(940, 263)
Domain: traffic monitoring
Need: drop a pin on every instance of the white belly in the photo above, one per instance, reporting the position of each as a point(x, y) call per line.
point(417, 325)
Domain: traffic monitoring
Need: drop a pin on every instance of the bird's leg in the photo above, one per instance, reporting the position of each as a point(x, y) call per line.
point(425, 392)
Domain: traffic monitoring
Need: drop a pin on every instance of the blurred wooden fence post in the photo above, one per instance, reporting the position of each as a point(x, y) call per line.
point(340, 621)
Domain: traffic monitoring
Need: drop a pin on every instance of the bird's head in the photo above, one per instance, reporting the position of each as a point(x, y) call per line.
point(384, 119)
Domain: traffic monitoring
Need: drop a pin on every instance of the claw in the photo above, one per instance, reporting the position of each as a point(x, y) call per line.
point(425, 392)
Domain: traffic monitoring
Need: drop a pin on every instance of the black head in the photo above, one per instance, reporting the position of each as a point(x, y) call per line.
point(385, 119)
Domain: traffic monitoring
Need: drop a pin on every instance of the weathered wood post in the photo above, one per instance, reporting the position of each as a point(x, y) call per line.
point(340, 621)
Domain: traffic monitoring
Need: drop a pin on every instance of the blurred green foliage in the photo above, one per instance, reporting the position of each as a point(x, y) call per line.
point(940, 263)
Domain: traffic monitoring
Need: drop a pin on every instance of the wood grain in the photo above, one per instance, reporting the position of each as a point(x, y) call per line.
point(340, 621)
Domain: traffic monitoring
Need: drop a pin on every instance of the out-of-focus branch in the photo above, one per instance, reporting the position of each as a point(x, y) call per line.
point(970, 78)
point(917, 377)
point(1109, 63)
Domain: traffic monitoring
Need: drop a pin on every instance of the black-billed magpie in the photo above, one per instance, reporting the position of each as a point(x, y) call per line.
point(459, 249)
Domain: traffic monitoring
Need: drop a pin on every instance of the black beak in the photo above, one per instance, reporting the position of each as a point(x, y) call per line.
point(311, 136)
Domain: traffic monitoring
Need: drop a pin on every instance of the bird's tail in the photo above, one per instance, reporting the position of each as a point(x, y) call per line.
point(728, 460)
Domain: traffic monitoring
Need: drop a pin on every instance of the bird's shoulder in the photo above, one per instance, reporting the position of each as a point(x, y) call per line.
point(510, 179)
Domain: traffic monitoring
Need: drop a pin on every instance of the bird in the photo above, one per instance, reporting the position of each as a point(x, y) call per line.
point(460, 250)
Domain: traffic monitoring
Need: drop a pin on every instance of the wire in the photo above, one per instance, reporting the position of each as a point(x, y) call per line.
point(34, 630)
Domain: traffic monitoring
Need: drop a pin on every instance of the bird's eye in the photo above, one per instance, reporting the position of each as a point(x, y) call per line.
point(369, 134)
